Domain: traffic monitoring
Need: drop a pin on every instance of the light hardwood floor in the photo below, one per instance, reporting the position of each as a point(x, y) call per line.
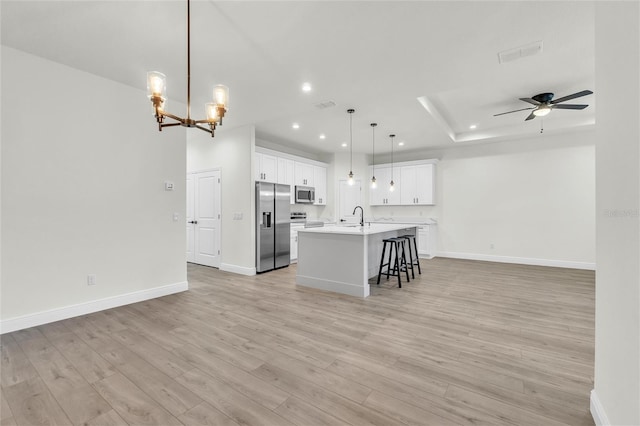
point(465, 343)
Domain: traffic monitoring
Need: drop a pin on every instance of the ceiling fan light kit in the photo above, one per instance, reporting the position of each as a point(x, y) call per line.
point(543, 103)
point(157, 88)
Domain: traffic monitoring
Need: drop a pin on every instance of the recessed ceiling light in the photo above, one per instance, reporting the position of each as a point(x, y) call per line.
point(295, 125)
point(473, 126)
point(400, 143)
point(322, 136)
point(306, 87)
point(344, 144)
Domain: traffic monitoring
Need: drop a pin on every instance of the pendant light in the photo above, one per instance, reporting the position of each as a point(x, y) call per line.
point(156, 91)
point(391, 187)
point(351, 111)
point(373, 151)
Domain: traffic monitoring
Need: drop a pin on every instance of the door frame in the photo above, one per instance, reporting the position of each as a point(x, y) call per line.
point(219, 242)
point(338, 198)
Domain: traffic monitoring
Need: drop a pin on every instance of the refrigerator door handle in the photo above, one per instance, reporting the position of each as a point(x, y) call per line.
point(266, 219)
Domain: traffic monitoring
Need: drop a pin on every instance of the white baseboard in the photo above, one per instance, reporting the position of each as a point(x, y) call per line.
point(243, 270)
point(334, 286)
point(519, 260)
point(53, 315)
point(597, 410)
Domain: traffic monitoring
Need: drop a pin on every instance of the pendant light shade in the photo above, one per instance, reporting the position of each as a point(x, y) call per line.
point(391, 184)
point(373, 151)
point(351, 111)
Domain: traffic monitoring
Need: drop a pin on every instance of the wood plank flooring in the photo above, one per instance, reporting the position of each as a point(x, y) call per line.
point(464, 343)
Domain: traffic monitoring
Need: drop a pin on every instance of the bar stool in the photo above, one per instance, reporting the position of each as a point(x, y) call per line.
point(416, 262)
point(399, 262)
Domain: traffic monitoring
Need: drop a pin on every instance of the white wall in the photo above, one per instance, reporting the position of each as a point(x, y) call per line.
point(83, 171)
point(232, 151)
point(532, 199)
point(536, 206)
point(616, 396)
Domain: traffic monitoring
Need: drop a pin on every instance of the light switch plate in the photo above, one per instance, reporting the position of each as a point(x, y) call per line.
point(168, 186)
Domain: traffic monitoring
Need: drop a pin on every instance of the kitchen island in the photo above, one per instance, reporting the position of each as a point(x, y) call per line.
point(343, 258)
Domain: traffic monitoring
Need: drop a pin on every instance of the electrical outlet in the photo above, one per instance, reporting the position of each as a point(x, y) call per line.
point(91, 279)
point(176, 216)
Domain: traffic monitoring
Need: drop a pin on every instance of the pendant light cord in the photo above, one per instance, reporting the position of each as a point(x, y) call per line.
point(392, 136)
point(351, 111)
point(373, 146)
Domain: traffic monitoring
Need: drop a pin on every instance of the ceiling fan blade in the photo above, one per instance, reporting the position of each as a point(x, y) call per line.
point(531, 101)
point(570, 106)
point(509, 112)
point(575, 95)
point(530, 117)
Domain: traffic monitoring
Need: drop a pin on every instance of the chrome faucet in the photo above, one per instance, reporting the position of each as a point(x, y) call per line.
point(361, 214)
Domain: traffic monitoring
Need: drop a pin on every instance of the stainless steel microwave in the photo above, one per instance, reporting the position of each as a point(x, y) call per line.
point(305, 194)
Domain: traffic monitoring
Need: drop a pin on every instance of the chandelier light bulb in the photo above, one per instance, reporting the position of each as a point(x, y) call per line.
point(156, 84)
point(374, 184)
point(350, 181)
point(391, 187)
point(212, 112)
point(221, 95)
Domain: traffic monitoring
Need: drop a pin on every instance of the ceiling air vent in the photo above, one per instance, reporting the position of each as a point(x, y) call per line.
point(520, 52)
point(325, 104)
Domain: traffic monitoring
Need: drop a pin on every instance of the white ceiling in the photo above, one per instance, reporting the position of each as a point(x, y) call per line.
point(378, 57)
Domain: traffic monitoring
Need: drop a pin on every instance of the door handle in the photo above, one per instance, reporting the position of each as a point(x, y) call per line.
point(193, 221)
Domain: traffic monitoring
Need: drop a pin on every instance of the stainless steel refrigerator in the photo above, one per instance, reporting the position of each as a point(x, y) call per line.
point(273, 217)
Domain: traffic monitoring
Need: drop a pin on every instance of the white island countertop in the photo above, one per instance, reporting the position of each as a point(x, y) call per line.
point(367, 229)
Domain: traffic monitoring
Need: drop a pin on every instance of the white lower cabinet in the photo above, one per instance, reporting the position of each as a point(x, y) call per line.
point(424, 249)
point(293, 250)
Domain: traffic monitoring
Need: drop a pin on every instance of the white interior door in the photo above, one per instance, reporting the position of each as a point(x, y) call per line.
point(205, 221)
point(349, 198)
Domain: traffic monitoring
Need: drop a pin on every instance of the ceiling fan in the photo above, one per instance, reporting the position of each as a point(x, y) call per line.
point(544, 103)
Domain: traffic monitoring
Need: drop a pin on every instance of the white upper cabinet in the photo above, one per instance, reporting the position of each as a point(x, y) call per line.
point(266, 167)
point(382, 195)
point(286, 170)
point(277, 167)
point(417, 184)
point(320, 182)
point(414, 184)
point(303, 174)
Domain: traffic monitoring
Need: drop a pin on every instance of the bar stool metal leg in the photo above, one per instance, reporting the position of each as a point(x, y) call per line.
point(411, 263)
point(398, 266)
point(404, 261)
point(415, 246)
point(384, 248)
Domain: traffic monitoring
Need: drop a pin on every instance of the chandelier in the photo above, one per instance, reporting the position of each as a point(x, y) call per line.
point(156, 91)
